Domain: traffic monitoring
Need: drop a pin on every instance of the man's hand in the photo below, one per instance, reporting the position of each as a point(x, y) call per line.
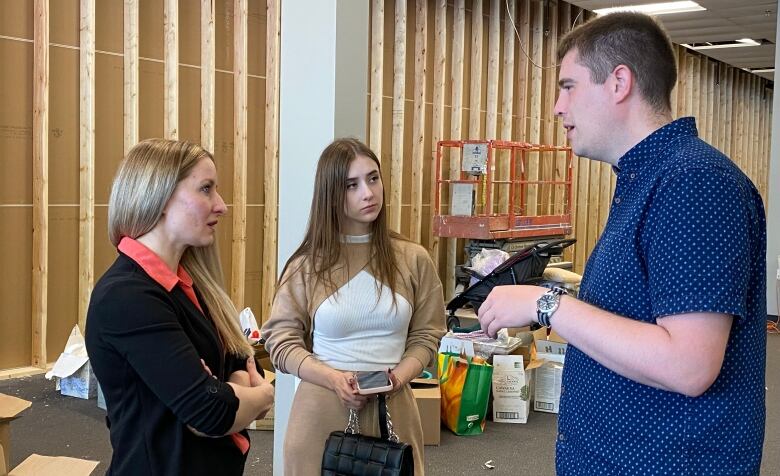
point(343, 383)
point(509, 306)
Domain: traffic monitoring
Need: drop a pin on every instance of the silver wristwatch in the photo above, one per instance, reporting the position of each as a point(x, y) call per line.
point(547, 304)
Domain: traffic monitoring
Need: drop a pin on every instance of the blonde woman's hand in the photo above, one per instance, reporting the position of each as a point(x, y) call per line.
point(343, 383)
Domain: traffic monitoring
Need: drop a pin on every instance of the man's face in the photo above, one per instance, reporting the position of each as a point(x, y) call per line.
point(584, 108)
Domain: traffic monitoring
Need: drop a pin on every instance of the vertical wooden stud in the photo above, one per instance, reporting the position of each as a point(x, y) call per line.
point(494, 46)
point(40, 248)
point(207, 74)
point(475, 80)
point(507, 101)
point(171, 87)
point(456, 125)
point(418, 125)
point(240, 110)
point(86, 156)
point(437, 128)
point(377, 55)
point(271, 163)
point(399, 89)
point(131, 74)
point(535, 98)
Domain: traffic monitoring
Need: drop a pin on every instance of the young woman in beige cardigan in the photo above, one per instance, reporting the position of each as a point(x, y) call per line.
point(354, 296)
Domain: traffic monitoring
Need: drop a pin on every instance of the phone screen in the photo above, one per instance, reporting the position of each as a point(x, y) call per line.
point(373, 379)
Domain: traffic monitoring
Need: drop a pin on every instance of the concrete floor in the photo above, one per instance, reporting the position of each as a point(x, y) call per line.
point(65, 426)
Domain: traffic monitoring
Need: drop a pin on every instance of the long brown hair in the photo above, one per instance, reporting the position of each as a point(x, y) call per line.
point(322, 244)
point(144, 183)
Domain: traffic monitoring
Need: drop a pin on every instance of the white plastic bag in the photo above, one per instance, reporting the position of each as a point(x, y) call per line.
point(249, 326)
point(486, 261)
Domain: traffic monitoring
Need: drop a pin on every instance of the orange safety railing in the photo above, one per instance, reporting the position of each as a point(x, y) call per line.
point(515, 218)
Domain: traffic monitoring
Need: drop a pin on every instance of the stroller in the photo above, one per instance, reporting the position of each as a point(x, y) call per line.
point(524, 267)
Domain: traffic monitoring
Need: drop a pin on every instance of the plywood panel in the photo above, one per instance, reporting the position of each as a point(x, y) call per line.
point(150, 91)
point(63, 276)
point(189, 104)
point(63, 130)
point(16, 19)
point(150, 23)
point(257, 37)
point(109, 128)
point(15, 285)
point(223, 11)
point(189, 32)
point(64, 22)
point(16, 87)
point(109, 25)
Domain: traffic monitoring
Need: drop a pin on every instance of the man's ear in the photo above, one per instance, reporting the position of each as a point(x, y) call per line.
point(622, 82)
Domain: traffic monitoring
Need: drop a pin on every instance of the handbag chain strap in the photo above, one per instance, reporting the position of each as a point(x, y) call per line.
point(385, 422)
point(353, 427)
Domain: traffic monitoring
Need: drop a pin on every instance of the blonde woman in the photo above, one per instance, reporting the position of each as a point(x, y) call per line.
point(353, 297)
point(178, 376)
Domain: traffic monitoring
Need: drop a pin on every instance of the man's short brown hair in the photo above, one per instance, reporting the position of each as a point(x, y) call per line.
point(631, 39)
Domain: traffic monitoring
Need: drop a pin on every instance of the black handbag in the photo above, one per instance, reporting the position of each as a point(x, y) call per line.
point(348, 453)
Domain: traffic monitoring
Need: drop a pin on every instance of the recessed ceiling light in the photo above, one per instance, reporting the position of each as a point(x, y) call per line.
point(741, 43)
point(763, 70)
point(654, 8)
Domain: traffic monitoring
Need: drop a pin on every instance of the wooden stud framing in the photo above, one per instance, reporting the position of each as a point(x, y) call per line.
point(494, 46)
point(86, 157)
point(507, 100)
point(271, 163)
point(535, 116)
point(456, 124)
point(131, 74)
point(171, 86)
point(728, 122)
point(475, 80)
point(418, 125)
point(523, 23)
point(437, 128)
point(240, 118)
point(710, 103)
point(40, 210)
point(377, 55)
point(399, 88)
point(207, 74)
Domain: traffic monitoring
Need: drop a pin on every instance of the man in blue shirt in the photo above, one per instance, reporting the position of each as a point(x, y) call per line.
point(667, 342)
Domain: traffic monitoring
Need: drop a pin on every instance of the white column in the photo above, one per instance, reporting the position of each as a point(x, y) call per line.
point(773, 202)
point(323, 95)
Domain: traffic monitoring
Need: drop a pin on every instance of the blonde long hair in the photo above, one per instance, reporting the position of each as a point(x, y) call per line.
point(144, 183)
point(322, 244)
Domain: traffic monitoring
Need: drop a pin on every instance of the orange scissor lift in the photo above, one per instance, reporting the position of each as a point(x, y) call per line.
point(532, 202)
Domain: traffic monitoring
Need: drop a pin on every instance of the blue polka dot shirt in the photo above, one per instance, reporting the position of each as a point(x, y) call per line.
point(686, 233)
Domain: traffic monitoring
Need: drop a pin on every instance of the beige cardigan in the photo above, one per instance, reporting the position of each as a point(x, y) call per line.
point(288, 331)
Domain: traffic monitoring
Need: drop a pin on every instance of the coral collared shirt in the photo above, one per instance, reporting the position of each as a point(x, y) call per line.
point(156, 268)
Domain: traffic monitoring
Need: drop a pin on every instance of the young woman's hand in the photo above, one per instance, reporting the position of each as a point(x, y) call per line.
point(343, 383)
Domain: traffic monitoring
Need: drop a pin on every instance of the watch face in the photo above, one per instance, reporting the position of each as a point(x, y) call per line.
point(548, 302)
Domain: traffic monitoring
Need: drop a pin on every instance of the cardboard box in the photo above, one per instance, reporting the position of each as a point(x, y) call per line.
point(512, 388)
point(547, 392)
point(81, 384)
point(427, 394)
point(267, 422)
point(37, 465)
point(10, 408)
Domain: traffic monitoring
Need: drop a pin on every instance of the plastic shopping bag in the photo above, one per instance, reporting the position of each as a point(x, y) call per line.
point(465, 392)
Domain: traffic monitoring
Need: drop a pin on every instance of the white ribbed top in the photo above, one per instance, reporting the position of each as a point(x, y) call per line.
point(356, 330)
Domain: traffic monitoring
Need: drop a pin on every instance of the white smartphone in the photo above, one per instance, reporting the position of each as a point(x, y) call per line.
point(369, 382)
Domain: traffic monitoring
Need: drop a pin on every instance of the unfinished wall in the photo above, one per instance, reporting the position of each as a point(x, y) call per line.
point(63, 188)
point(435, 62)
